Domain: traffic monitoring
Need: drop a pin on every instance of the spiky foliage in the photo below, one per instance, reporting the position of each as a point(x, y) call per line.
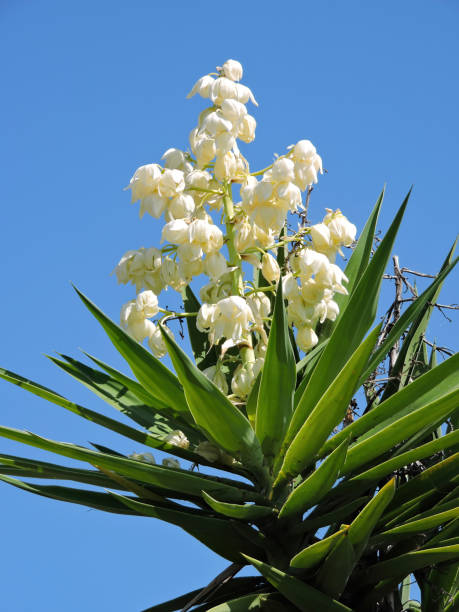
point(342, 512)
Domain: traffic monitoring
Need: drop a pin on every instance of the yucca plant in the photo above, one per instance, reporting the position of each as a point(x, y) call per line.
point(336, 484)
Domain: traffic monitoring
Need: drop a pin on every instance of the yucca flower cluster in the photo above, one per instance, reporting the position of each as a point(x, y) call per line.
point(296, 446)
point(207, 233)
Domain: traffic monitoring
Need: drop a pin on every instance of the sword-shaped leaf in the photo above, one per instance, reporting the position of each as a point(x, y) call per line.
point(316, 486)
point(277, 386)
point(214, 413)
point(159, 476)
point(302, 595)
point(217, 534)
point(92, 499)
point(363, 452)
point(424, 390)
point(335, 571)
point(149, 371)
point(327, 414)
point(312, 555)
point(250, 512)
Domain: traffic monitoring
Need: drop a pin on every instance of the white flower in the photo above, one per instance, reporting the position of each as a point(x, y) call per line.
point(244, 94)
point(270, 268)
point(189, 269)
point(306, 338)
point(342, 231)
point(225, 166)
point(308, 262)
point(134, 322)
point(147, 304)
point(229, 318)
point(156, 341)
point(244, 377)
point(202, 87)
point(332, 310)
point(224, 143)
point(182, 206)
point(244, 235)
point(232, 110)
point(260, 304)
point(175, 231)
point(170, 462)
point(177, 438)
point(142, 268)
point(205, 150)
point(215, 124)
point(289, 196)
point(246, 131)
point(198, 179)
point(176, 159)
point(321, 238)
point(232, 69)
point(145, 457)
point(217, 377)
point(144, 181)
point(304, 150)
point(223, 88)
point(283, 170)
point(171, 183)
point(153, 204)
point(290, 288)
point(215, 265)
point(207, 235)
point(170, 274)
point(311, 291)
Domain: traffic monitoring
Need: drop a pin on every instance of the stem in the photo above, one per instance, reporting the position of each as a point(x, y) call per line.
point(234, 257)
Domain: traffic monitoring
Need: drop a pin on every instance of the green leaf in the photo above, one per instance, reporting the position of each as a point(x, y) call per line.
point(424, 390)
point(365, 480)
point(408, 563)
point(278, 378)
point(357, 263)
point(93, 499)
point(374, 446)
point(404, 367)
point(364, 523)
point(217, 534)
point(440, 587)
point(169, 479)
point(230, 589)
point(149, 371)
point(414, 527)
point(237, 511)
point(204, 353)
point(269, 602)
point(308, 363)
point(100, 419)
point(252, 400)
point(350, 329)
point(302, 595)
point(312, 555)
point(214, 413)
point(329, 411)
point(334, 574)
point(320, 519)
point(314, 488)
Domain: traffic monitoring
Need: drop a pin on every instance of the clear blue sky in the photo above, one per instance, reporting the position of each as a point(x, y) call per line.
point(92, 90)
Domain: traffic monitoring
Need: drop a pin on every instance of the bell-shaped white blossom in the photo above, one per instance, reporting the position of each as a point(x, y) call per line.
point(175, 159)
point(246, 129)
point(260, 305)
point(215, 265)
point(283, 170)
point(228, 318)
point(270, 268)
point(202, 87)
point(244, 377)
point(177, 438)
point(171, 183)
point(142, 268)
point(144, 181)
point(146, 303)
point(156, 341)
point(306, 338)
point(134, 322)
point(342, 231)
point(222, 89)
point(215, 374)
point(182, 206)
point(145, 457)
point(206, 235)
point(153, 204)
point(175, 231)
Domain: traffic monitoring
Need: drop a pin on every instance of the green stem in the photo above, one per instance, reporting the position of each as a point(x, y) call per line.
point(234, 257)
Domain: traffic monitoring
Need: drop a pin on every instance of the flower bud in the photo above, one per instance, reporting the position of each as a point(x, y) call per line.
point(145, 457)
point(270, 268)
point(232, 69)
point(156, 342)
